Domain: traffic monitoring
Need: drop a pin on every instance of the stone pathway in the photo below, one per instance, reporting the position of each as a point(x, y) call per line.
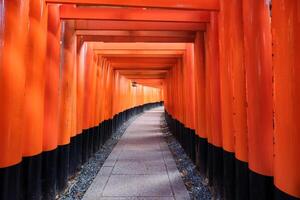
point(140, 166)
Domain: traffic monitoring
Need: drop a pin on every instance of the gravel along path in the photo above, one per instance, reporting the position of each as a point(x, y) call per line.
point(80, 182)
point(191, 177)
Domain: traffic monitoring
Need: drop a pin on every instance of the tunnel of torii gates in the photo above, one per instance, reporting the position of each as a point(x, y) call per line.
point(72, 71)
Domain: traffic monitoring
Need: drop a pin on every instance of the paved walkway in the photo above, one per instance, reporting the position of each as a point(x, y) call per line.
point(141, 166)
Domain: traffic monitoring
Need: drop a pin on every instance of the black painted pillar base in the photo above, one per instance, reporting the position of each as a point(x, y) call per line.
point(79, 151)
point(72, 157)
point(201, 155)
point(85, 145)
point(95, 143)
point(192, 144)
point(241, 180)
point(209, 168)
point(217, 171)
point(62, 167)
point(229, 175)
point(90, 133)
point(101, 132)
point(280, 195)
point(10, 182)
point(32, 177)
point(49, 171)
point(260, 187)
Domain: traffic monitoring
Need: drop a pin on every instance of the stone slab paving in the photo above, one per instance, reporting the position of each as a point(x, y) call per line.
point(140, 167)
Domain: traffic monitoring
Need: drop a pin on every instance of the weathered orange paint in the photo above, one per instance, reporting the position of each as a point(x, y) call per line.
point(13, 35)
point(233, 72)
point(92, 99)
point(88, 68)
point(208, 90)
point(212, 62)
point(98, 91)
point(258, 65)
point(199, 74)
point(189, 86)
point(51, 102)
point(226, 60)
point(81, 59)
point(33, 104)
point(66, 92)
point(286, 61)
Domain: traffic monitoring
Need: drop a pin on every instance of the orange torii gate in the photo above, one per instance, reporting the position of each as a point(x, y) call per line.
point(227, 74)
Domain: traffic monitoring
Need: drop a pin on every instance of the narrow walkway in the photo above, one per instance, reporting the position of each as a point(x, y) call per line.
point(141, 166)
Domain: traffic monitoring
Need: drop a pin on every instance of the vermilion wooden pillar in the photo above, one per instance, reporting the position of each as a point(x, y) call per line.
point(286, 64)
point(188, 83)
point(87, 95)
point(13, 36)
point(73, 161)
point(235, 28)
point(208, 108)
point(80, 66)
point(258, 65)
point(212, 58)
point(233, 98)
point(65, 103)
point(93, 90)
point(190, 86)
point(33, 105)
point(226, 93)
point(51, 105)
point(200, 108)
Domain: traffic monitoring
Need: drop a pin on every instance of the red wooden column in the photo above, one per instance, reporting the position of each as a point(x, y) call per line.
point(173, 91)
point(73, 160)
point(200, 108)
point(189, 91)
point(97, 120)
point(286, 62)
point(215, 148)
point(13, 36)
point(87, 95)
point(92, 104)
point(80, 92)
point(208, 109)
point(51, 104)
point(258, 65)
point(33, 105)
point(234, 27)
point(188, 86)
point(180, 103)
point(226, 93)
point(66, 96)
point(233, 98)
